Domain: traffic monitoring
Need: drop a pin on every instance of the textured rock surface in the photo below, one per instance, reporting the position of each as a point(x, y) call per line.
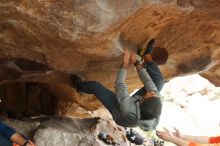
point(68, 132)
point(53, 131)
point(82, 37)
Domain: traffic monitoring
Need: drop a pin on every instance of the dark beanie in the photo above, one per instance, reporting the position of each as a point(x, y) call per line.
point(151, 108)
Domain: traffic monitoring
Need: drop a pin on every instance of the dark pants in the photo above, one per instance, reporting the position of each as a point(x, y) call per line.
point(5, 134)
point(108, 98)
point(4, 141)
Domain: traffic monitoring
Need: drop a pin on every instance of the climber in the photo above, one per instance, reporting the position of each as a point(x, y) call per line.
point(186, 140)
point(143, 109)
point(9, 137)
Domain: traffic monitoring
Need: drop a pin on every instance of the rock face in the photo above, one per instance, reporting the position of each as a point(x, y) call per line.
point(42, 42)
point(68, 132)
point(57, 130)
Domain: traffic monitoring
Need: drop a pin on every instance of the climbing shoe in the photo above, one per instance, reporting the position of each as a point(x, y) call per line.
point(148, 50)
point(75, 80)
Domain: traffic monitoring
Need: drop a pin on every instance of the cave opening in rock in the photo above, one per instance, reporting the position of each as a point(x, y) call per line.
point(29, 88)
point(29, 65)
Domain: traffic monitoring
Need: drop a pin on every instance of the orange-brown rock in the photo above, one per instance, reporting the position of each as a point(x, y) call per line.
point(43, 41)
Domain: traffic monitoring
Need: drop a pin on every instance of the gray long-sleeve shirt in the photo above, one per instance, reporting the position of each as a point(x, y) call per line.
point(127, 112)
